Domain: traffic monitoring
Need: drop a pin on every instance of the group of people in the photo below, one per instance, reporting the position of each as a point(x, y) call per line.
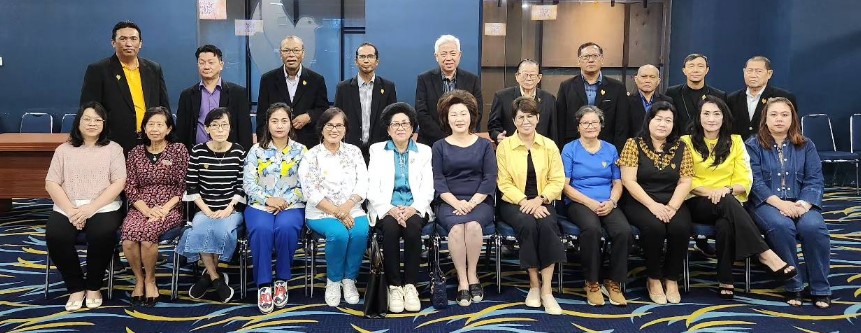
point(128, 165)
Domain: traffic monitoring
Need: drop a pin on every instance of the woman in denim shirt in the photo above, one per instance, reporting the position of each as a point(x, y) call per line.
point(786, 199)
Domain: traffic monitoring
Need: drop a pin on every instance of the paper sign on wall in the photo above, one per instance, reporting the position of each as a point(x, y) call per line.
point(212, 9)
point(247, 27)
point(543, 12)
point(494, 29)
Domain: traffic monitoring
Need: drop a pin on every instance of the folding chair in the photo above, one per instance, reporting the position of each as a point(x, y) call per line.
point(818, 128)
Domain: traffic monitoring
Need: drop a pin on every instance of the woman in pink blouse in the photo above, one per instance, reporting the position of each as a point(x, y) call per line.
point(86, 176)
point(156, 180)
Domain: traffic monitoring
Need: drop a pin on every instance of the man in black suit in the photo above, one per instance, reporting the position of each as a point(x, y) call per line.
point(592, 88)
point(746, 104)
point(648, 79)
point(211, 92)
point(686, 97)
point(432, 84)
point(363, 99)
point(500, 124)
point(125, 84)
point(301, 88)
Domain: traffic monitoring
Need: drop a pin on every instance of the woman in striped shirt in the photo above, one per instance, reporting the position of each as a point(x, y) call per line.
point(214, 183)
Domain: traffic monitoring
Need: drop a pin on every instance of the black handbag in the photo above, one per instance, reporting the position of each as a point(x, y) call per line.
point(377, 291)
point(439, 294)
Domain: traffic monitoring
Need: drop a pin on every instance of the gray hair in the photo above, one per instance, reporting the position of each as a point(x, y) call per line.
point(589, 109)
point(446, 39)
point(296, 38)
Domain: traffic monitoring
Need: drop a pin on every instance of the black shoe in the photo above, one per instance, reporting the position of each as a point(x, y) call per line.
point(225, 293)
point(464, 298)
point(705, 248)
point(785, 273)
point(136, 300)
point(476, 292)
point(199, 288)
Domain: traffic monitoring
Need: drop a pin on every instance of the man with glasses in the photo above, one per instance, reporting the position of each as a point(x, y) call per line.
point(686, 97)
point(746, 104)
point(211, 92)
point(363, 99)
point(591, 87)
point(301, 88)
point(647, 79)
point(432, 84)
point(528, 76)
point(125, 84)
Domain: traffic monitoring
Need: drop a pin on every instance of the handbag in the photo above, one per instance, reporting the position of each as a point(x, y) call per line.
point(377, 291)
point(439, 295)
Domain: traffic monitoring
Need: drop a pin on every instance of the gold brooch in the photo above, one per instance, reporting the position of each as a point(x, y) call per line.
point(602, 91)
point(119, 77)
point(304, 83)
point(764, 100)
point(603, 164)
point(382, 91)
point(206, 165)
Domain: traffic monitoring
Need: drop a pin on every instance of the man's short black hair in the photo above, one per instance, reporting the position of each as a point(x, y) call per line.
point(588, 44)
point(125, 24)
point(376, 51)
point(210, 49)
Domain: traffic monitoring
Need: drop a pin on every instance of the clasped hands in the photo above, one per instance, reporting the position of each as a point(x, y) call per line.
point(402, 214)
point(78, 216)
point(534, 207)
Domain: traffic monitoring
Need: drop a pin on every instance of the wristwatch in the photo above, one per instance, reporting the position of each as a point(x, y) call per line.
point(544, 199)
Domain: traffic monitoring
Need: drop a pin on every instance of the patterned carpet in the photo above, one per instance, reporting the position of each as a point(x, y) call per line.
point(23, 307)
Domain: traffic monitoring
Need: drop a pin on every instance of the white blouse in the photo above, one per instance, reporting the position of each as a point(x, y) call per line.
point(333, 176)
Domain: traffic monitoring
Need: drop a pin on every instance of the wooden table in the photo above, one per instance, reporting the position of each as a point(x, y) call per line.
point(24, 161)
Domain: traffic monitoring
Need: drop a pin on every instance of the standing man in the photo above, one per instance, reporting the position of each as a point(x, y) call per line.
point(746, 104)
point(432, 84)
point(211, 92)
point(125, 84)
point(363, 99)
point(648, 79)
point(592, 88)
point(500, 124)
point(301, 88)
point(686, 97)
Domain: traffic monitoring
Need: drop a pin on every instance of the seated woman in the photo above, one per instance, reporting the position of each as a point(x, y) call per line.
point(85, 178)
point(214, 183)
point(335, 181)
point(464, 172)
point(722, 180)
point(399, 194)
point(530, 178)
point(592, 191)
point(787, 204)
point(276, 208)
point(656, 171)
point(156, 180)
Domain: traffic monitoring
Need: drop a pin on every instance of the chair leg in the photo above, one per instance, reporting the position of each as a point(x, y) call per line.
point(243, 269)
point(498, 243)
point(686, 272)
point(747, 275)
point(313, 265)
point(47, 271)
point(856, 178)
point(111, 267)
point(559, 280)
point(174, 277)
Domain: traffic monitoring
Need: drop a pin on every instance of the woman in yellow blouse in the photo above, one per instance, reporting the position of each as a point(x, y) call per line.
point(530, 177)
point(721, 183)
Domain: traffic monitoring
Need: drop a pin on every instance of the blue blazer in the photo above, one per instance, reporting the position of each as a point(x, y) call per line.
point(802, 170)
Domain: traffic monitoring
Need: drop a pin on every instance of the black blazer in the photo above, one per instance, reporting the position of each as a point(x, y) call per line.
point(612, 99)
point(428, 91)
point(233, 96)
point(502, 113)
point(684, 107)
point(347, 99)
point(638, 112)
point(310, 98)
point(743, 124)
point(105, 82)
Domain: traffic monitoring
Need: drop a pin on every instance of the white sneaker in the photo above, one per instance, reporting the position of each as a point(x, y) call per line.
point(264, 300)
point(351, 294)
point(533, 298)
point(411, 298)
point(333, 293)
point(396, 299)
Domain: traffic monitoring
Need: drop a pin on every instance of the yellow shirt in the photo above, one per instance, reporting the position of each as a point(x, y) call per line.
point(735, 170)
point(133, 77)
point(511, 161)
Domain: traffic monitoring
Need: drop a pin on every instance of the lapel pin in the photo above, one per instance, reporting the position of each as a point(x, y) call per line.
point(206, 165)
point(166, 162)
point(602, 92)
point(764, 100)
point(628, 93)
point(603, 164)
point(704, 97)
point(672, 165)
point(119, 77)
point(382, 91)
point(304, 83)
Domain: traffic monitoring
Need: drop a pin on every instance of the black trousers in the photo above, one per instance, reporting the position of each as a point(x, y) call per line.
point(101, 233)
point(736, 235)
point(591, 231)
point(540, 245)
point(412, 235)
point(653, 233)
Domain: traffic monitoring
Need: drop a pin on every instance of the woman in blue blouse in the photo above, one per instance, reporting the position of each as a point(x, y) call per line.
point(786, 199)
point(275, 213)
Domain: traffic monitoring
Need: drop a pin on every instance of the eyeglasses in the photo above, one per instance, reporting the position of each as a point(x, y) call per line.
point(292, 51)
point(334, 127)
point(448, 54)
point(521, 118)
point(757, 71)
point(590, 124)
point(587, 57)
point(405, 125)
point(529, 75)
point(366, 57)
point(88, 120)
point(219, 126)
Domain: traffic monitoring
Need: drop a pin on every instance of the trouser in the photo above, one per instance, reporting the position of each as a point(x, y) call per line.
point(412, 235)
point(101, 234)
point(591, 231)
point(267, 231)
point(540, 242)
point(345, 248)
point(653, 233)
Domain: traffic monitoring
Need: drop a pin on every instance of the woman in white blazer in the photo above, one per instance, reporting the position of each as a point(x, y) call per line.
point(400, 192)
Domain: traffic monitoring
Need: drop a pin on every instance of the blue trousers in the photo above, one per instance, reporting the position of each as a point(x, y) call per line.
point(267, 231)
point(344, 248)
point(784, 234)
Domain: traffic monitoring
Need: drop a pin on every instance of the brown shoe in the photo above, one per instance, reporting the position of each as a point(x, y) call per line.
point(593, 294)
point(614, 293)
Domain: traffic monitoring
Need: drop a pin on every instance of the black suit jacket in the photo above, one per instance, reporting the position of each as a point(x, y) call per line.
point(233, 96)
point(310, 98)
point(743, 124)
point(428, 91)
point(347, 99)
point(502, 113)
point(686, 108)
point(612, 99)
point(638, 112)
point(105, 82)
